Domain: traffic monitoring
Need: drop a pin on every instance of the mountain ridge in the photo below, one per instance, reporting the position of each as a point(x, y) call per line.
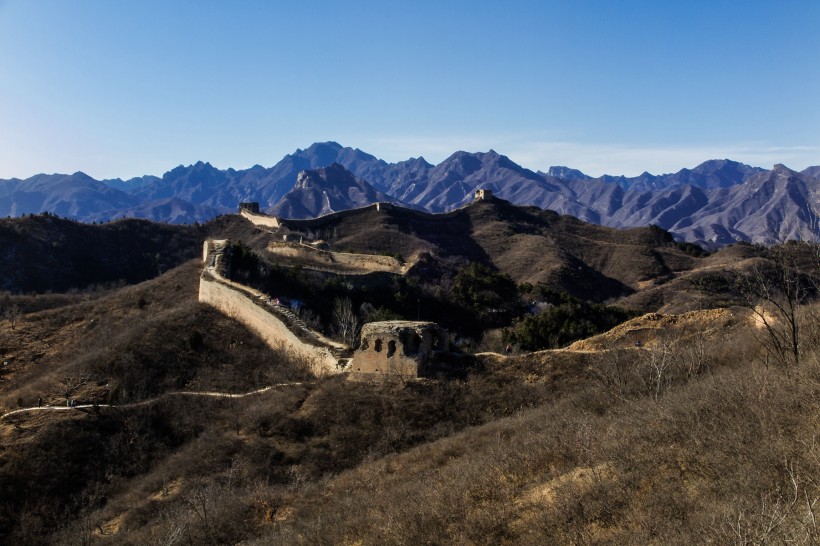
point(326, 190)
point(703, 204)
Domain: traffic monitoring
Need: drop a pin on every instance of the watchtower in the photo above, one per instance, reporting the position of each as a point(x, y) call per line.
point(252, 207)
point(399, 348)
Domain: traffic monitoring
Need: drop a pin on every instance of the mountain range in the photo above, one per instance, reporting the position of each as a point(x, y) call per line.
point(716, 203)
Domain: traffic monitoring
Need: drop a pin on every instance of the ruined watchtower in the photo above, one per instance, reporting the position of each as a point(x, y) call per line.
point(483, 194)
point(399, 348)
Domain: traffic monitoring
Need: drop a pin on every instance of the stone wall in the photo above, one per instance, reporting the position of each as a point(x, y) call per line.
point(252, 207)
point(240, 303)
point(482, 194)
point(342, 262)
point(261, 219)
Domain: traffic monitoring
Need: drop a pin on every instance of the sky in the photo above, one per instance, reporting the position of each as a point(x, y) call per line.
point(132, 87)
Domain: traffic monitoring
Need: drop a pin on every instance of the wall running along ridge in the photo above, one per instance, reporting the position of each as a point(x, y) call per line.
point(261, 219)
point(238, 303)
point(360, 263)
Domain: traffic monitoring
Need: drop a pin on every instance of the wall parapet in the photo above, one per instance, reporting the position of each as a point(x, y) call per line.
point(259, 219)
point(311, 256)
point(274, 326)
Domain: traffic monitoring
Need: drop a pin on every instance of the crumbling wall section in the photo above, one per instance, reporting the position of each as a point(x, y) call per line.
point(238, 303)
point(397, 348)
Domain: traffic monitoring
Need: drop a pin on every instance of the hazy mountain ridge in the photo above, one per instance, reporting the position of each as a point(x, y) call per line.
point(717, 202)
point(715, 173)
point(76, 195)
point(325, 190)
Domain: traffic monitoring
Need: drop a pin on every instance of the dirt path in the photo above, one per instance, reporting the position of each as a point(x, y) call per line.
point(211, 394)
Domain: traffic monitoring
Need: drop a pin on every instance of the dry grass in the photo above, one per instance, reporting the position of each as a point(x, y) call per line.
point(690, 438)
point(553, 447)
point(135, 343)
point(730, 453)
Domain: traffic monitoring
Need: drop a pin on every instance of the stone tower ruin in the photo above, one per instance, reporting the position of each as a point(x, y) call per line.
point(399, 348)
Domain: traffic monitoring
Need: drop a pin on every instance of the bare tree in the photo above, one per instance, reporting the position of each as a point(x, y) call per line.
point(346, 321)
point(786, 515)
point(655, 364)
point(615, 372)
point(776, 290)
point(12, 313)
point(71, 383)
point(692, 354)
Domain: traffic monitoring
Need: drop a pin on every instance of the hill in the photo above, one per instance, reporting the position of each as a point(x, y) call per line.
point(46, 253)
point(531, 245)
point(187, 428)
point(585, 443)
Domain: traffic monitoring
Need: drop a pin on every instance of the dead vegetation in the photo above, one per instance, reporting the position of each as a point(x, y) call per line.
point(663, 430)
point(683, 439)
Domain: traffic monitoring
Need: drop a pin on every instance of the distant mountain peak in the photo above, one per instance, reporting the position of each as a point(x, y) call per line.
point(331, 174)
point(715, 164)
point(325, 190)
point(566, 173)
point(330, 144)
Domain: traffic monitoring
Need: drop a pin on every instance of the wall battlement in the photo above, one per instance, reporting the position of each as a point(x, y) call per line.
point(251, 207)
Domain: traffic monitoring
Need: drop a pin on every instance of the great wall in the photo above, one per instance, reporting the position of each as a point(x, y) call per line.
point(390, 348)
point(348, 263)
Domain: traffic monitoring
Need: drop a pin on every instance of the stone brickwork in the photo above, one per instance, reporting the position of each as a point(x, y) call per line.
point(252, 207)
point(397, 348)
point(235, 303)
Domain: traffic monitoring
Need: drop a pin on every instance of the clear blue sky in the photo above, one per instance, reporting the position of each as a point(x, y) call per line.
point(129, 87)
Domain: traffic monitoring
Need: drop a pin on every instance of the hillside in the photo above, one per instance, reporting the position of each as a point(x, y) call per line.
point(529, 244)
point(186, 427)
point(588, 443)
point(45, 253)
